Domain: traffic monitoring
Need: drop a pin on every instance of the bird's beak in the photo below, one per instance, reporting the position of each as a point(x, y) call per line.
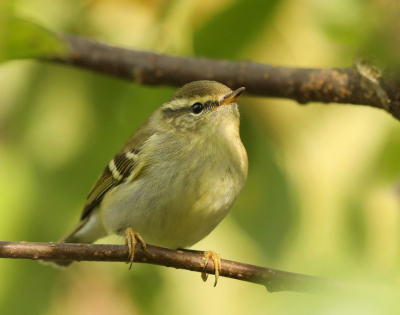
point(233, 97)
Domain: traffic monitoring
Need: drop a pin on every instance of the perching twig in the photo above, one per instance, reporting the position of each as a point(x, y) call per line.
point(337, 85)
point(274, 280)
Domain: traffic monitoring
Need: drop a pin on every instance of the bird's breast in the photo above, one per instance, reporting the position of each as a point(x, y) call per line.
point(182, 194)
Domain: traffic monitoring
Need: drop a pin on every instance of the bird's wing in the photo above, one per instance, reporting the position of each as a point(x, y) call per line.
point(116, 172)
point(120, 168)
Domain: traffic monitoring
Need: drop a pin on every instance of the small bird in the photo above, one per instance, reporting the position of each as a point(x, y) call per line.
point(175, 179)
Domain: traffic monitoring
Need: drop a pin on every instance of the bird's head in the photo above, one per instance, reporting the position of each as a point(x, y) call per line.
point(202, 106)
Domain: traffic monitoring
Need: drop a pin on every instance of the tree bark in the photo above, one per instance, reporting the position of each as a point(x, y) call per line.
point(274, 280)
point(362, 84)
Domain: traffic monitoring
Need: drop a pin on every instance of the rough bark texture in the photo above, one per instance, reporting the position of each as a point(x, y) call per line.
point(274, 280)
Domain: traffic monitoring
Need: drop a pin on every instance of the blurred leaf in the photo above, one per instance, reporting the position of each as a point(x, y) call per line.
point(370, 27)
point(32, 281)
point(387, 165)
point(145, 285)
point(266, 212)
point(345, 34)
point(228, 32)
point(356, 228)
point(24, 39)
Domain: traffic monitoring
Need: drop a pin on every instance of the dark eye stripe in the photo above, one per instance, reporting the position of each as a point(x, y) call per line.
point(169, 112)
point(210, 105)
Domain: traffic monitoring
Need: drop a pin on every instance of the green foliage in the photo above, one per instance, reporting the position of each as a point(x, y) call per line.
point(364, 26)
point(266, 211)
point(228, 32)
point(24, 39)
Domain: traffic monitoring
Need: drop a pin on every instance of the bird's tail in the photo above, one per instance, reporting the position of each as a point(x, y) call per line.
point(76, 236)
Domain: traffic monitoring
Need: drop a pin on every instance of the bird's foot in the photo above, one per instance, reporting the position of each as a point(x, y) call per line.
point(131, 240)
point(217, 265)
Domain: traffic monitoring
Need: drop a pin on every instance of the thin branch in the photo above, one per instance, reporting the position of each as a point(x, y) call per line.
point(355, 85)
point(274, 280)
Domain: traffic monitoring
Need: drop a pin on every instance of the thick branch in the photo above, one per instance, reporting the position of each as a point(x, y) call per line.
point(339, 85)
point(274, 280)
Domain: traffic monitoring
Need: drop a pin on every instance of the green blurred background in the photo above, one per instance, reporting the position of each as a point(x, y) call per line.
point(322, 195)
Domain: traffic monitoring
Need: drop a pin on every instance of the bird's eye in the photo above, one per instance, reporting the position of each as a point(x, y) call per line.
point(197, 108)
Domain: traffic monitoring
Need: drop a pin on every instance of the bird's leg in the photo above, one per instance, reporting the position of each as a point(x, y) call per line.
point(217, 265)
point(131, 240)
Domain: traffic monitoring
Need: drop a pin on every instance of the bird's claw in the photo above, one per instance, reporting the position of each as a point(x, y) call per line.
point(217, 265)
point(131, 240)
